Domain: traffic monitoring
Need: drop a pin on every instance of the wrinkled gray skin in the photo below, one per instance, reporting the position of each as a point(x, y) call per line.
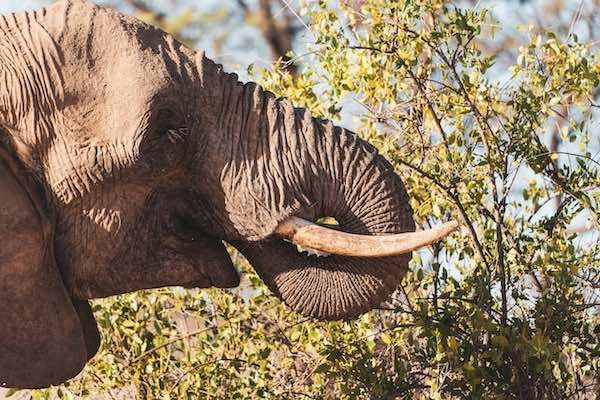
point(126, 159)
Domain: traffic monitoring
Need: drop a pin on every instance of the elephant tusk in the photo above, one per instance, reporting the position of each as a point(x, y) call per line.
point(310, 235)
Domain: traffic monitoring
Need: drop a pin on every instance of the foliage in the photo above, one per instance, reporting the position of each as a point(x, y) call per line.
point(505, 309)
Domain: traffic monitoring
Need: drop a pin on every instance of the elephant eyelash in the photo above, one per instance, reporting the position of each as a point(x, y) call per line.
point(177, 135)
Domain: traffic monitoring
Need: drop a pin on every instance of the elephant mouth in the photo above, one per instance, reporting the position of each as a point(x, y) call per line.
point(320, 240)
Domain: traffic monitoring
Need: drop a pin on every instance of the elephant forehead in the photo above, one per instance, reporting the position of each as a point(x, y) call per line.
point(114, 66)
point(107, 50)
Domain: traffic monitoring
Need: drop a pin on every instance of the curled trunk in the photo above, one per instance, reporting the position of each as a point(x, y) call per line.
point(344, 178)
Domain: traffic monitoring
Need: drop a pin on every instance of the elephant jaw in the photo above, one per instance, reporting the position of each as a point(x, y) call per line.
point(330, 241)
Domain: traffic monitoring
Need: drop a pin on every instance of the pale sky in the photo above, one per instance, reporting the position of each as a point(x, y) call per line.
point(20, 5)
point(14, 5)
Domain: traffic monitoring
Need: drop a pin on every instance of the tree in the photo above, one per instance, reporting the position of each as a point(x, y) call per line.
point(507, 308)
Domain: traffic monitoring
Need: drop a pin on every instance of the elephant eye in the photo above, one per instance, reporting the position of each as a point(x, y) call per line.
point(163, 140)
point(169, 127)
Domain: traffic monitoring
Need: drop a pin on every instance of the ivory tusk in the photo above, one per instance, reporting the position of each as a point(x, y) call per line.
point(310, 235)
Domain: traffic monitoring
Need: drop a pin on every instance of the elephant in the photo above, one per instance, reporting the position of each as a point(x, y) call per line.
point(128, 160)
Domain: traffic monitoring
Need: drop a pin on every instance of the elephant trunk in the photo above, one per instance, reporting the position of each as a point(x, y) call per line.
point(278, 164)
point(341, 176)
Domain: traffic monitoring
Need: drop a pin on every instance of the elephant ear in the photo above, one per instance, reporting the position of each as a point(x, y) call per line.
point(42, 334)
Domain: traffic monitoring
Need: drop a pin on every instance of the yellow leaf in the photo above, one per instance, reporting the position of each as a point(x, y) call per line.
point(385, 337)
point(453, 344)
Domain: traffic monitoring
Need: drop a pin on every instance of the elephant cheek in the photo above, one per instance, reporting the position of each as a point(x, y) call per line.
point(201, 263)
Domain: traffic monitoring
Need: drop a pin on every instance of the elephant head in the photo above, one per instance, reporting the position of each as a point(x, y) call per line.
point(127, 159)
